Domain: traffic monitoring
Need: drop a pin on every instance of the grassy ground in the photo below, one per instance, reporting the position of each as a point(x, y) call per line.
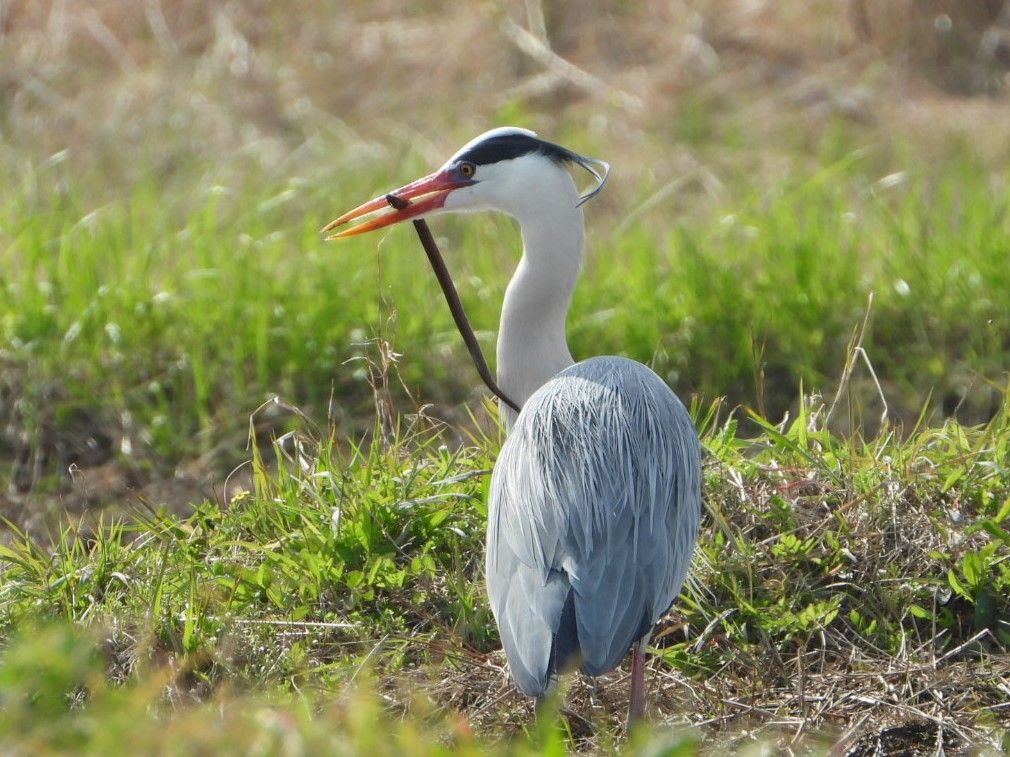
point(803, 220)
point(839, 587)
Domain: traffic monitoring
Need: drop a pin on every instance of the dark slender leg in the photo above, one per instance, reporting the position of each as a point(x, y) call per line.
point(636, 703)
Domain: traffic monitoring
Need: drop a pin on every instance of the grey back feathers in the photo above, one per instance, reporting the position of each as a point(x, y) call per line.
point(593, 514)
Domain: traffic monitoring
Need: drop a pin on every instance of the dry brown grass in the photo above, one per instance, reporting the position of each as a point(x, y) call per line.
point(156, 88)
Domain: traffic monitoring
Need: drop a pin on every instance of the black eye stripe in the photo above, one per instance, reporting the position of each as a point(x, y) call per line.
point(510, 146)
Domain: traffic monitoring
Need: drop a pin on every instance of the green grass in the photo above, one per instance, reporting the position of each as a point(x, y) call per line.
point(184, 312)
point(838, 558)
point(58, 700)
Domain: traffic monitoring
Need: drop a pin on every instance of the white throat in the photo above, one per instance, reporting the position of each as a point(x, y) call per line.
point(532, 346)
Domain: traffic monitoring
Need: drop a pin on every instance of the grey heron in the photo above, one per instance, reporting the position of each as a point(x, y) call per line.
point(595, 497)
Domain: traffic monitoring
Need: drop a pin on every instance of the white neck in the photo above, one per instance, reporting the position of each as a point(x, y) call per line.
point(532, 346)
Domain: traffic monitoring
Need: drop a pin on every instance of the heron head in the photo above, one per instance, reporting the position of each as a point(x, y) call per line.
point(507, 169)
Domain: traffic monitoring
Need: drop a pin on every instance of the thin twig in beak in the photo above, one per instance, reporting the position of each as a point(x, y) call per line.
point(452, 299)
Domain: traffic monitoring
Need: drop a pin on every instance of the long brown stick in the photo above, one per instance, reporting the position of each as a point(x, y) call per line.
point(452, 299)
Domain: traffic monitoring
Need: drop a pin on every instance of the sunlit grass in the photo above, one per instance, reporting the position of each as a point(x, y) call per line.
point(836, 556)
point(185, 312)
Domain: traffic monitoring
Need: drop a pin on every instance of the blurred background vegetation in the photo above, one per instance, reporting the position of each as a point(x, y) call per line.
point(167, 166)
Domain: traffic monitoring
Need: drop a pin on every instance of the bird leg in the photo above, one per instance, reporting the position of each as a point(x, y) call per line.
point(636, 701)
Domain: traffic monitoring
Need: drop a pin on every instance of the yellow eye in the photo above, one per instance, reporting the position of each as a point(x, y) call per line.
point(467, 170)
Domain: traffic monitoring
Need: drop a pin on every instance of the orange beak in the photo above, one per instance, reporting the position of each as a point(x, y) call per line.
point(432, 191)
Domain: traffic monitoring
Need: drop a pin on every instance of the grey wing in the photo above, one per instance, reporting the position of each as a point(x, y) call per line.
point(594, 510)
